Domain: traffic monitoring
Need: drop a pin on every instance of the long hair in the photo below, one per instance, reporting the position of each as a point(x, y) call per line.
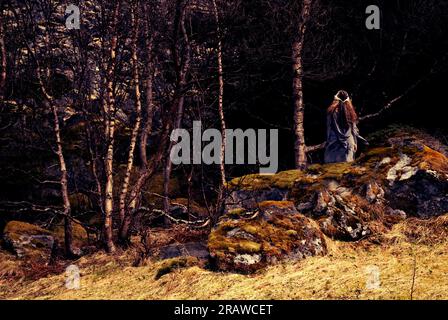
point(342, 99)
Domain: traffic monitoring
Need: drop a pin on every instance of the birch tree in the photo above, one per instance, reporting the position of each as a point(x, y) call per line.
point(3, 58)
point(138, 108)
point(220, 94)
point(183, 67)
point(297, 85)
point(110, 131)
point(50, 101)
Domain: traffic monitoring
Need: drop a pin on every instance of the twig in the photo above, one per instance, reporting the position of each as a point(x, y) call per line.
point(391, 102)
point(315, 147)
point(413, 276)
point(203, 223)
point(38, 208)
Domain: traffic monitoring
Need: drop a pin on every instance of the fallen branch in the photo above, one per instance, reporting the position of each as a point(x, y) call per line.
point(203, 223)
point(31, 207)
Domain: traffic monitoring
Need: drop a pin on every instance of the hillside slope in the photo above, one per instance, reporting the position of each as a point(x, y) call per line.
point(342, 274)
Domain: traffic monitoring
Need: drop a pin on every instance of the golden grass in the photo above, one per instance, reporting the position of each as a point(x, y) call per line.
point(339, 275)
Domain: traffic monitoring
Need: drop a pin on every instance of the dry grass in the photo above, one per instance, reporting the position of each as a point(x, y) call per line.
point(339, 275)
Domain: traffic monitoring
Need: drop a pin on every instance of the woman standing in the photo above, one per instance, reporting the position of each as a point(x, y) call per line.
point(342, 130)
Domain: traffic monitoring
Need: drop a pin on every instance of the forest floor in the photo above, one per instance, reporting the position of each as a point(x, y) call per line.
point(406, 267)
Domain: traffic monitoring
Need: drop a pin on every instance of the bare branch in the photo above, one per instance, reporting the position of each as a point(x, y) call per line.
point(391, 102)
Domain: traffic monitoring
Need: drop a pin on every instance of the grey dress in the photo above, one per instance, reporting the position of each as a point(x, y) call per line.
point(342, 137)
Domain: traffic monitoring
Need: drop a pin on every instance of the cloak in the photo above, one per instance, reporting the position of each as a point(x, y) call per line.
point(342, 137)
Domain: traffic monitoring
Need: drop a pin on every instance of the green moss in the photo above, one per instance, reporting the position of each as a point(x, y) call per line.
point(429, 159)
point(169, 265)
point(14, 229)
point(271, 236)
point(219, 242)
point(80, 236)
point(380, 151)
point(235, 213)
point(281, 180)
point(254, 230)
point(279, 204)
point(330, 170)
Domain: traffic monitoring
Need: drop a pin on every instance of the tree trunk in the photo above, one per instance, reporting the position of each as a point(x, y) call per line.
point(145, 171)
point(179, 102)
point(297, 65)
point(68, 231)
point(109, 160)
point(147, 128)
point(138, 186)
point(68, 228)
point(3, 60)
point(220, 96)
point(93, 166)
point(145, 174)
point(138, 108)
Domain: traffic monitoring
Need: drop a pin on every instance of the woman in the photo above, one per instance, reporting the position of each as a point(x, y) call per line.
point(342, 130)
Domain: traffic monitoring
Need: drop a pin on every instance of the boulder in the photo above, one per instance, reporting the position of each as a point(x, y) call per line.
point(80, 235)
point(189, 249)
point(169, 265)
point(245, 240)
point(27, 240)
point(404, 174)
point(33, 242)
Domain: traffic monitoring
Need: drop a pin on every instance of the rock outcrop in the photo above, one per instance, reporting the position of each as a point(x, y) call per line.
point(30, 241)
point(246, 240)
point(404, 174)
point(27, 240)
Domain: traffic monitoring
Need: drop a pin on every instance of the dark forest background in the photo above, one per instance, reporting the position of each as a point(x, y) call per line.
point(405, 62)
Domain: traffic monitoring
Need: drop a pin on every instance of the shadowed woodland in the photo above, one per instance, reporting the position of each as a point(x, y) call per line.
point(86, 117)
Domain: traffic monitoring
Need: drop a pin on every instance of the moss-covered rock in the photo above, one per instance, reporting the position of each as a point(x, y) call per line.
point(169, 265)
point(28, 240)
point(273, 232)
point(404, 173)
point(31, 241)
point(80, 236)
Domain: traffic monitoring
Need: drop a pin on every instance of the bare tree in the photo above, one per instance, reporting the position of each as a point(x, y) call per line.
point(183, 67)
point(3, 58)
point(220, 94)
point(297, 85)
point(110, 128)
point(149, 114)
point(138, 108)
point(147, 168)
point(63, 180)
